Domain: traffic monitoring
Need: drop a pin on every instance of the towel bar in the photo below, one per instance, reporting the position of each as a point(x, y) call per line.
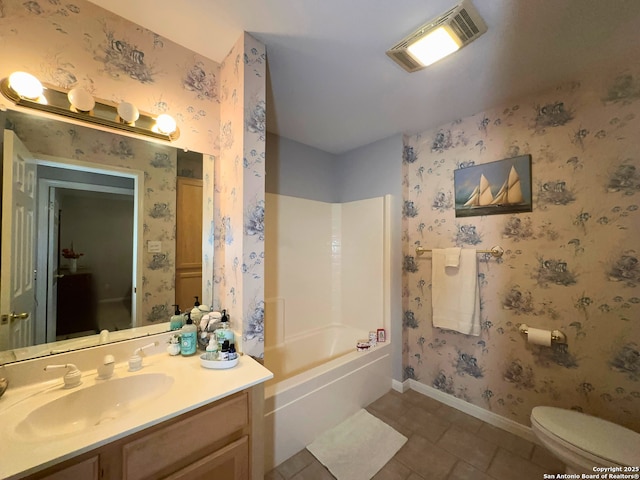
point(496, 252)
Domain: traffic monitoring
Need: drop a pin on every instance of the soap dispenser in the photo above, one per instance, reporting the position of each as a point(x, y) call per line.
point(188, 334)
point(196, 313)
point(224, 332)
point(177, 319)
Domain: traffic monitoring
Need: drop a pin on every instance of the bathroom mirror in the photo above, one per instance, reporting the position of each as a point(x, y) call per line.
point(103, 236)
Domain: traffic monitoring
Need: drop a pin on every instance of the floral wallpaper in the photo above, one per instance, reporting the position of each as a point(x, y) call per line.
point(157, 161)
point(571, 264)
point(80, 44)
point(239, 193)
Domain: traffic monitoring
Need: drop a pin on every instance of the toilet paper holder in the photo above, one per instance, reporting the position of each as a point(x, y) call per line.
point(556, 335)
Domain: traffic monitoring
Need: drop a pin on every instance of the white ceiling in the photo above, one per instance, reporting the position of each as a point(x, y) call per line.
point(332, 86)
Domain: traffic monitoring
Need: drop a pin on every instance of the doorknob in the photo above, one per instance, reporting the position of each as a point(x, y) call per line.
point(18, 316)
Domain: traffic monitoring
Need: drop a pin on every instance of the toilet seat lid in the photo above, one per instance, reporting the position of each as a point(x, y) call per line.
point(594, 435)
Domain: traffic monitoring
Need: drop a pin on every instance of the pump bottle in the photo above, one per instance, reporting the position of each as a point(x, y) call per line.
point(188, 338)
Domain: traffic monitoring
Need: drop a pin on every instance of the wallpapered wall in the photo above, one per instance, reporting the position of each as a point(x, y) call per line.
point(571, 264)
point(81, 44)
point(239, 193)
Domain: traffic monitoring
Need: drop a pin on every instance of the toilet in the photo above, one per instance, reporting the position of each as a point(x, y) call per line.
point(583, 442)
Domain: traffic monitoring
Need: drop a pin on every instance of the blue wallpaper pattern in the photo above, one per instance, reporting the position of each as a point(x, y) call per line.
point(571, 264)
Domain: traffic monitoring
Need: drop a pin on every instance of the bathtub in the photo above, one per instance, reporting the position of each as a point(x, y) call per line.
point(319, 380)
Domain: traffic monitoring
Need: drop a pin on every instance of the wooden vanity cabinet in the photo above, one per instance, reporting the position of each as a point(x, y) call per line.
point(219, 440)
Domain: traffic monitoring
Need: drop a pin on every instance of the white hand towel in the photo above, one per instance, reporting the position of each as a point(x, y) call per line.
point(455, 293)
point(452, 257)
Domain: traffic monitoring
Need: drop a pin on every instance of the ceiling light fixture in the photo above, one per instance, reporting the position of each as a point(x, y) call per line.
point(25, 90)
point(439, 37)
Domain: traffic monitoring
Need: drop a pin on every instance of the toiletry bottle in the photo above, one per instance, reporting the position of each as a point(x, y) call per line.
point(224, 332)
point(232, 352)
point(196, 313)
point(223, 355)
point(188, 338)
point(212, 349)
point(177, 319)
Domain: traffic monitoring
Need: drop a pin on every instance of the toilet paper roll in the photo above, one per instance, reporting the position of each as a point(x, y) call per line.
point(538, 336)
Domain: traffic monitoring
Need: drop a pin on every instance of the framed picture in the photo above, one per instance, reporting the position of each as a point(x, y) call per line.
point(494, 188)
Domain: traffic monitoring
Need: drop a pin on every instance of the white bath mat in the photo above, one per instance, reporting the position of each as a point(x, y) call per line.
point(357, 448)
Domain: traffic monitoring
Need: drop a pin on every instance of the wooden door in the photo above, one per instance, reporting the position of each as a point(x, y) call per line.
point(188, 242)
point(17, 300)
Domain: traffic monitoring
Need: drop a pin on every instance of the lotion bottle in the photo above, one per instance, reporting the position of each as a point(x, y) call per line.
point(196, 313)
point(224, 332)
point(188, 338)
point(177, 319)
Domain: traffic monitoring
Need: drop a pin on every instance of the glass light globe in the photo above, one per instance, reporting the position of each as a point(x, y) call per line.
point(166, 124)
point(128, 112)
point(82, 100)
point(25, 85)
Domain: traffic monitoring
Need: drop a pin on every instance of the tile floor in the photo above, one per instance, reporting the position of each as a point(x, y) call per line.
point(443, 444)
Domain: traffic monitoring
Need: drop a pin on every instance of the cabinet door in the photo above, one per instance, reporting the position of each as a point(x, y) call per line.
point(228, 463)
point(85, 470)
point(168, 448)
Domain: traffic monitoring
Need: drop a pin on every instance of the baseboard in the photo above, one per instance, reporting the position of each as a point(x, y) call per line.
point(475, 411)
point(400, 386)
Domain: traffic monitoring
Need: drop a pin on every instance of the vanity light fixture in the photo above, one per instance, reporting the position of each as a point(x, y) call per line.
point(81, 100)
point(128, 112)
point(439, 37)
point(25, 85)
point(22, 89)
point(165, 124)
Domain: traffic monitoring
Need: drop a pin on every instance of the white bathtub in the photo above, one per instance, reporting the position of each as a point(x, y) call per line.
point(319, 380)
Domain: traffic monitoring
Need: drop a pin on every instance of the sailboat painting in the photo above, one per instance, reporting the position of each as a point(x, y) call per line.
point(494, 188)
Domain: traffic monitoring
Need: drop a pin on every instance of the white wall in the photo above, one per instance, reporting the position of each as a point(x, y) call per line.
point(298, 170)
point(372, 171)
point(367, 172)
point(298, 268)
point(101, 227)
point(324, 265)
point(362, 263)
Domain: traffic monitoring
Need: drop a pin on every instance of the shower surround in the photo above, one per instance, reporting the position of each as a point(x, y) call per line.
point(327, 286)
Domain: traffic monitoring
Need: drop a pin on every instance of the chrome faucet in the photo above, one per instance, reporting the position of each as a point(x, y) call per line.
point(72, 378)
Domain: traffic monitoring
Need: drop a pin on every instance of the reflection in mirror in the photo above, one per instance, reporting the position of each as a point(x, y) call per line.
point(110, 202)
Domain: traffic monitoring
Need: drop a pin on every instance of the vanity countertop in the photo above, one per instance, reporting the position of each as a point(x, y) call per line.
point(193, 386)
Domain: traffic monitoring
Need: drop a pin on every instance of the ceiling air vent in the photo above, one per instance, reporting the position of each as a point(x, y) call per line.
point(462, 23)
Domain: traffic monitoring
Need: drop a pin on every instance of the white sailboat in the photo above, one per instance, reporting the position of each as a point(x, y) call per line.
point(481, 195)
point(511, 190)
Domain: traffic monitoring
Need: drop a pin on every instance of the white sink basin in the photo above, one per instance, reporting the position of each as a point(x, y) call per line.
point(85, 408)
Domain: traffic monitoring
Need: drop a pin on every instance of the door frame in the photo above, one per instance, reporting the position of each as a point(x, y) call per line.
point(44, 280)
